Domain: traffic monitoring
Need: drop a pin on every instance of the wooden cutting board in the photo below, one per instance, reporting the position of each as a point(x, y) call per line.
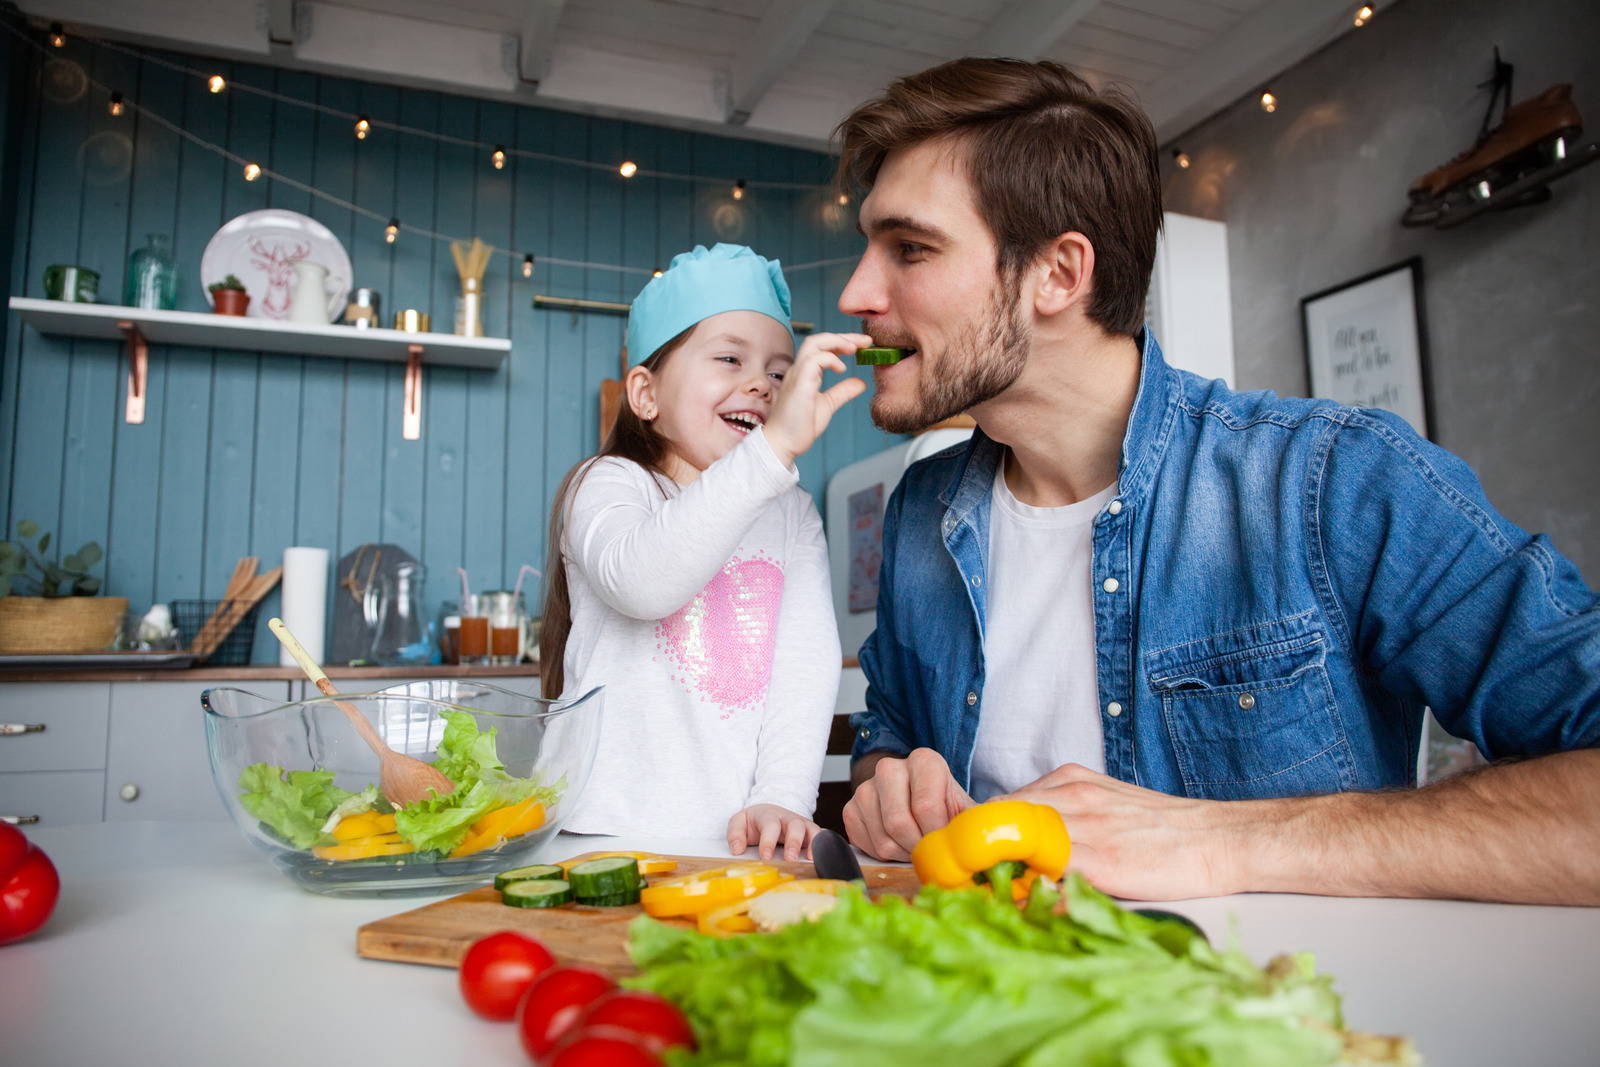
point(439, 933)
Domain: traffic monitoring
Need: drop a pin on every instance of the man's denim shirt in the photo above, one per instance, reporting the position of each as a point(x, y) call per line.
point(1280, 587)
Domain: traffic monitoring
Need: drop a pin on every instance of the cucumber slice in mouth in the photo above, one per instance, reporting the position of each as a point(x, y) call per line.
point(878, 356)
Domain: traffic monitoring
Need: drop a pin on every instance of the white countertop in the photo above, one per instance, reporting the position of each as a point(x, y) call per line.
point(176, 943)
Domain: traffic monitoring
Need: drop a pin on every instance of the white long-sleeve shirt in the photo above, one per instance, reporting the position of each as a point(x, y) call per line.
point(706, 612)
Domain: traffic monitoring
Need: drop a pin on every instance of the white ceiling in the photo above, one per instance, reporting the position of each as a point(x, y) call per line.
point(781, 70)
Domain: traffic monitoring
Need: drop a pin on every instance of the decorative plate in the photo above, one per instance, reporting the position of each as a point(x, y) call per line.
point(260, 248)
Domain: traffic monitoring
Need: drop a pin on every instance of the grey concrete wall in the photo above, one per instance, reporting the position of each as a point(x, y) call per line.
point(1312, 196)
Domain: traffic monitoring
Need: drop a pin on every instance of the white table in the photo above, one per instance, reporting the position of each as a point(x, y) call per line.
point(176, 944)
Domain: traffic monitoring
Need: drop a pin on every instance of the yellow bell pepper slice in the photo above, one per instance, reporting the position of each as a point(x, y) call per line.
point(499, 826)
point(692, 894)
point(363, 848)
point(512, 820)
point(364, 824)
point(987, 835)
point(649, 862)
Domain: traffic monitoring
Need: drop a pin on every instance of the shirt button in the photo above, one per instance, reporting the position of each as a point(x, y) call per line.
point(972, 698)
point(865, 733)
point(1247, 701)
point(1110, 585)
point(1115, 507)
point(1113, 709)
point(977, 580)
point(949, 523)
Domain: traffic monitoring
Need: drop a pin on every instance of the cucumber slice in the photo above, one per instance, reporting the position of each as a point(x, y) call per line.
point(879, 356)
point(605, 877)
point(611, 900)
point(537, 893)
point(537, 872)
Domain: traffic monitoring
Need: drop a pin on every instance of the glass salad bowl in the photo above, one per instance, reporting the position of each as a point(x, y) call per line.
point(303, 786)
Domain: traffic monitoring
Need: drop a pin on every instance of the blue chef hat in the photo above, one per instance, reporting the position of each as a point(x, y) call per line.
point(700, 284)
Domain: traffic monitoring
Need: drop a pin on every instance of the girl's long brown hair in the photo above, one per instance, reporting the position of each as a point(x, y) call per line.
point(630, 438)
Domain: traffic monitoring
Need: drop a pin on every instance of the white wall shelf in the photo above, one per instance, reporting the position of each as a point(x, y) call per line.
point(138, 327)
point(208, 330)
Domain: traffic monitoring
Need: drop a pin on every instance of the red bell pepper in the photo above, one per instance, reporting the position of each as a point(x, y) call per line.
point(28, 885)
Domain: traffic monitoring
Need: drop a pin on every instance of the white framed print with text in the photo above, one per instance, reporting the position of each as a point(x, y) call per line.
point(1365, 344)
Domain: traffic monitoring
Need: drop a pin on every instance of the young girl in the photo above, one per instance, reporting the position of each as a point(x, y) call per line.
point(688, 572)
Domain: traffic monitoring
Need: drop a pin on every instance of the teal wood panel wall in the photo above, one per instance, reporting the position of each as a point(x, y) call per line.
point(244, 452)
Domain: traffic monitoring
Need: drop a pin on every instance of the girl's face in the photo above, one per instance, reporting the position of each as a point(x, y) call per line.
point(714, 389)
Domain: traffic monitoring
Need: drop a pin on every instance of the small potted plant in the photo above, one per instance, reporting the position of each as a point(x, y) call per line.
point(228, 296)
point(64, 614)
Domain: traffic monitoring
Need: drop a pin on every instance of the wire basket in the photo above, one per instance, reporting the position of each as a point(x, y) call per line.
point(191, 615)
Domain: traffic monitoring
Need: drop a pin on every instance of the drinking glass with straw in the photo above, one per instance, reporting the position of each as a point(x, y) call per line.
point(474, 638)
point(471, 261)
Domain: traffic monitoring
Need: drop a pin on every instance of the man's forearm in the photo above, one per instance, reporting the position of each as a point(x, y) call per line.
point(1527, 832)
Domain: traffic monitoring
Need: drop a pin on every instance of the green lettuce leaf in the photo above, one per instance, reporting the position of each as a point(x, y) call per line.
point(956, 977)
point(468, 758)
point(295, 804)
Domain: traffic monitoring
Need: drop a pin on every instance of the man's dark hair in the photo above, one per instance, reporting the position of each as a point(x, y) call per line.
point(1046, 154)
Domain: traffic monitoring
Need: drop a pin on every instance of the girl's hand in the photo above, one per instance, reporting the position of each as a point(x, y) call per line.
point(770, 825)
point(803, 409)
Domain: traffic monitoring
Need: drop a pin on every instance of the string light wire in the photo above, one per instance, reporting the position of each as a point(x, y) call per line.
point(242, 162)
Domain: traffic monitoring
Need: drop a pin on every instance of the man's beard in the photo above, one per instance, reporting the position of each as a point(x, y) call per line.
point(981, 364)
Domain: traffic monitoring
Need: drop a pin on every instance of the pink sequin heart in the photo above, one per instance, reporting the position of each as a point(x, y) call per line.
point(722, 641)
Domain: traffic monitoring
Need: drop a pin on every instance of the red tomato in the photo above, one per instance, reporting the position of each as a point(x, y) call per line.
point(601, 1046)
point(654, 1019)
point(29, 885)
point(498, 969)
point(553, 1003)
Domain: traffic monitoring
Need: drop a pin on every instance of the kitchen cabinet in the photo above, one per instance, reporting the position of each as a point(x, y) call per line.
point(89, 751)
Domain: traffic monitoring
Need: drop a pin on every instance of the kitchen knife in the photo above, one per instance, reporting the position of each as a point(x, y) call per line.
point(834, 858)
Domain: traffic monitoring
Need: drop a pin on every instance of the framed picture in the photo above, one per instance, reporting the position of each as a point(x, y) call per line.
point(1365, 344)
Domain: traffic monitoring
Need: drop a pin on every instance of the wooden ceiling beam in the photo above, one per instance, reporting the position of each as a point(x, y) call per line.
point(536, 40)
point(1030, 28)
point(777, 40)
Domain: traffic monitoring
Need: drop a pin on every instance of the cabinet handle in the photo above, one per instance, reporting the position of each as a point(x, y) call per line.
point(129, 792)
point(19, 820)
point(9, 728)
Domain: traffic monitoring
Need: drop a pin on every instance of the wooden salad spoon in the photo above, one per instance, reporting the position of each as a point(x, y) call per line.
point(403, 779)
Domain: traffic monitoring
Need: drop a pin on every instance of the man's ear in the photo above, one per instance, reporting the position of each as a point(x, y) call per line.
point(1065, 272)
point(640, 387)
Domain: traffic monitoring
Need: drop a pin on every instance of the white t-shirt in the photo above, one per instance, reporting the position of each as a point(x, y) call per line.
point(706, 612)
point(1040, 700)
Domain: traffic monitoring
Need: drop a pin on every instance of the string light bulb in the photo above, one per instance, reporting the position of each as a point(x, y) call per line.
point(738, 189)
point(499, 157)
point(252, 171)
point(527, 265)
point(1364, 14)
point(363, 127)
point(1181, 158)
point(656, 274)
point(1269, 103)
point(844, 199)
point(216, 83)
point(58, 35)
point(391, 231)
point(115, 104)
point(628, 169)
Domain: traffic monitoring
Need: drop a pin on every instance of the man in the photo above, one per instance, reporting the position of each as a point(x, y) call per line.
point(1202, 624)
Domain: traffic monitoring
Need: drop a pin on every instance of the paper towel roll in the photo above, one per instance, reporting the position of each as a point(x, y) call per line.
point(305, 600)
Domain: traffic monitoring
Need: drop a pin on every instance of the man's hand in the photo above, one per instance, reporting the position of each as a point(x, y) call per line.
point(1138, 844)
point(904, 799)
point(768, 826)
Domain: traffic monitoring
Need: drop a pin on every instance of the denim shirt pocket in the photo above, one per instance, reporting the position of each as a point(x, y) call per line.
point(1251, 713)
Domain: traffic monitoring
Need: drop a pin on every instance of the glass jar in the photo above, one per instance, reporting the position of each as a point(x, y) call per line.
point(400, 636)
point(152, 275)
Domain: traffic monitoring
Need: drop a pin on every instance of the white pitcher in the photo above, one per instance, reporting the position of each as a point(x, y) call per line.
point(310, 301)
